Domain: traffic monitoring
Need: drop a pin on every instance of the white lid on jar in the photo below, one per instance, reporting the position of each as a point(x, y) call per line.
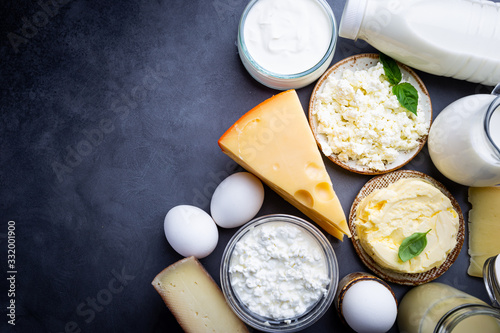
point(354, 11)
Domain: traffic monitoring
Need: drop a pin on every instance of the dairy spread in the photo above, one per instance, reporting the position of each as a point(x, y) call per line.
point(387, 216)
point(278, 271)
point(363, 120)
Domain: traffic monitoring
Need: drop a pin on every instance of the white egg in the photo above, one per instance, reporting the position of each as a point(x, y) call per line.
point(369, 307)
point(190, 231)
point(237, 200)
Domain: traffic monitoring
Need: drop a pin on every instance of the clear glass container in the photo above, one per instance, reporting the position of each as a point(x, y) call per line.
point(436, 307)
point(278, 81)
point(470, 318)
point(491, 277)
point(314, 312)
point(464, 140)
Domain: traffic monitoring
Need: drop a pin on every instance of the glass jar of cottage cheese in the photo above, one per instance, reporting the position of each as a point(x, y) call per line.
point(279, 273)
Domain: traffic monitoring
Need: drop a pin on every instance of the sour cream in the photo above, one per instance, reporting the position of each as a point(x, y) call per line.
point(286, 44)
point(287, 36)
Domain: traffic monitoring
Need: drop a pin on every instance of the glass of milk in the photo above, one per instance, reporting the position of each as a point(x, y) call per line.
point(464, 140)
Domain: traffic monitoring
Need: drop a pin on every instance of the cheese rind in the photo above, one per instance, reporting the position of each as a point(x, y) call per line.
point(274, 142)
point(195, 299)
point(484, 227)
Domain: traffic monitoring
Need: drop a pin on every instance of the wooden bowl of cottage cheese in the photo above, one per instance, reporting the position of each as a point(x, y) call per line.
point(359, 123)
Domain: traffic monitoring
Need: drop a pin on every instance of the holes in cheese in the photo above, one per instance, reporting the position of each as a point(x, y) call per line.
point(305, 198)
point(323, 191)
point(313, 171)
point(281, 150)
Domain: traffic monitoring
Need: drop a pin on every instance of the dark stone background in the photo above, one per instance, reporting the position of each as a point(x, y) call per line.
point(110, 116)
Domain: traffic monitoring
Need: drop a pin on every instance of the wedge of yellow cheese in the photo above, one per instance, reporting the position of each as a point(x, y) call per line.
point(195, 299)
point(274, 142)
point(484, 227)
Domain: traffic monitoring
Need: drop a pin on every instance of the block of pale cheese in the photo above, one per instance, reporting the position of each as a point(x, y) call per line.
point(484, 227)
point(275, 143)
point(389, 215)
point(195, 299)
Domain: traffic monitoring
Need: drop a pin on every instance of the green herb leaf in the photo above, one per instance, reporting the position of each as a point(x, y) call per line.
point(413, 245)
point(391, 69)
point(407, 96)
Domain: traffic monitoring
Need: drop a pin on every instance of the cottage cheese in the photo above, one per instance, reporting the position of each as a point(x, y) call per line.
point(363, 120)
point(278, 271)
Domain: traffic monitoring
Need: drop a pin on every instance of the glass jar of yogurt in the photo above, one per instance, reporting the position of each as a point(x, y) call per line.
point(439, 308)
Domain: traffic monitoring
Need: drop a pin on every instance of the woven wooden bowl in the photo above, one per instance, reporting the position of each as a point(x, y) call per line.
point(359, 62)
point(389, 275)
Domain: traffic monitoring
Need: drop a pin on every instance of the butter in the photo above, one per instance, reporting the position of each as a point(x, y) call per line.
point(387, 216)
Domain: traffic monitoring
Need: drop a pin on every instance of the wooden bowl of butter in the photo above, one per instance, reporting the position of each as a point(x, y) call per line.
point(359, 122)
point(396, 211)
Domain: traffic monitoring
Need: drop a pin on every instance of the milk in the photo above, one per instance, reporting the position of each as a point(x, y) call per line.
point(457, 38)
point(458, 143)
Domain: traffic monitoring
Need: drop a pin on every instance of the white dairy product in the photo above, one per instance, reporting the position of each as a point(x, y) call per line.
point(287, 44)
point(363, 120)
point(287, 36)
point(457, 38)
point(278, 270)
point(458, 144)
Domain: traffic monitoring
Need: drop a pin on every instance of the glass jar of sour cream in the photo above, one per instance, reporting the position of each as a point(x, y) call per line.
point(287, 44)
point(440, 308)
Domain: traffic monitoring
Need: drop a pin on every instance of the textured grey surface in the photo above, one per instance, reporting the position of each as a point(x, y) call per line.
point(110, 116)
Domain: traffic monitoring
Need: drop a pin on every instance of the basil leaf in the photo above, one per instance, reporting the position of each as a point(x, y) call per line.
point(413, 245)
point(407, 96)
point(391, 69)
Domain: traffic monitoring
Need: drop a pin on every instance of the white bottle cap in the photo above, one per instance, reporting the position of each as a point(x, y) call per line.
point(353, 14)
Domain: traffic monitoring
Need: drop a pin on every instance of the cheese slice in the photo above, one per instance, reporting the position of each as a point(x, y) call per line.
point(195, 299)
point(484, 227)
point(274, 142)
